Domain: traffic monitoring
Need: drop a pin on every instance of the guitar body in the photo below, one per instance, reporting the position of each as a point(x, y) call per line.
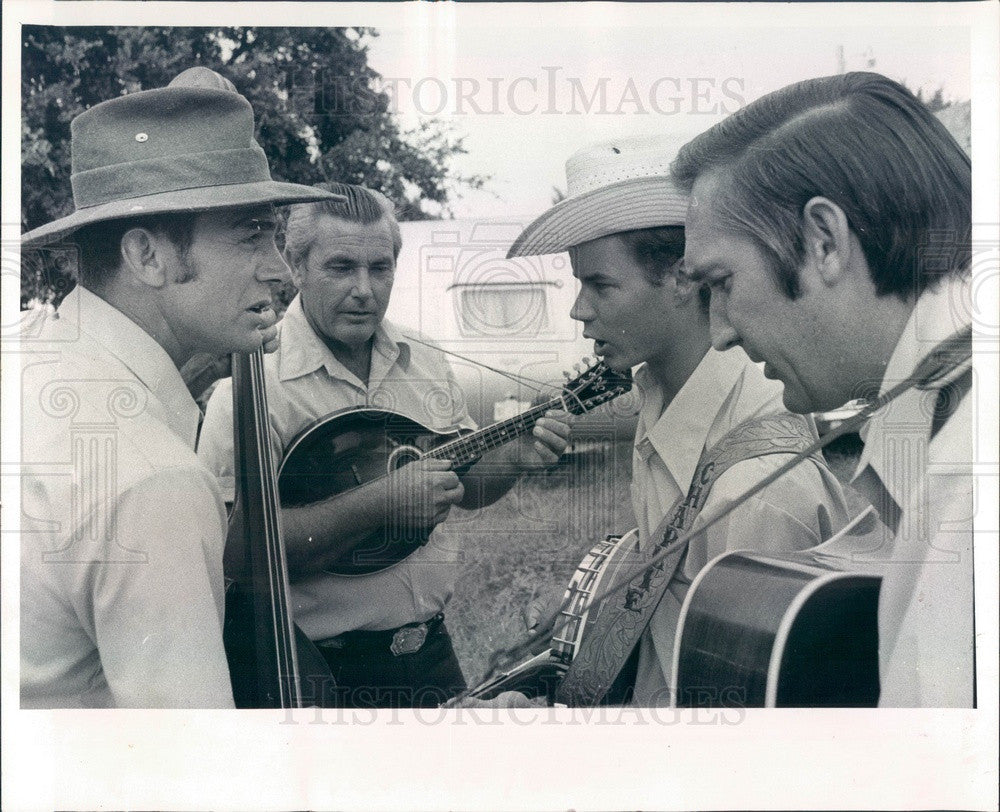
point(763, 631)
point(345, 450)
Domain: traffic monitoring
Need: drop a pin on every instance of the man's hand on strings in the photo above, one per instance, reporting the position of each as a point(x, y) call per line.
point(547, 442)
point(421, 493)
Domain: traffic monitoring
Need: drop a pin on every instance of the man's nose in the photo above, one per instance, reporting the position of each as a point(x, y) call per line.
point(724, 335)
point(581, 311)
point(273, 268)
point(362, 288)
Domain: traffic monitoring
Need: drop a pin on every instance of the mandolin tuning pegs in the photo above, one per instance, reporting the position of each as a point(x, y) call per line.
point(567, 374)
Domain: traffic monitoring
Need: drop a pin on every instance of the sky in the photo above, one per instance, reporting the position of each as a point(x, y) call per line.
point(527, 96)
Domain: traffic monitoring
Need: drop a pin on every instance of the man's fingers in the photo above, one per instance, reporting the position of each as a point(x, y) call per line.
point(433, 464)
point(557, 422)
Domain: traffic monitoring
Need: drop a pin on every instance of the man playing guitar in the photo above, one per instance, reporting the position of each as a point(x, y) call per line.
point(864, 202)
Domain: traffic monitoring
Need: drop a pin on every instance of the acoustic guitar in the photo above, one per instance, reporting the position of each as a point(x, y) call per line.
point(347, 449)
point(777, 631)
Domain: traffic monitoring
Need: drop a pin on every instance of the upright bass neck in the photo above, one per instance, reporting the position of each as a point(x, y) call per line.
point(260, 636)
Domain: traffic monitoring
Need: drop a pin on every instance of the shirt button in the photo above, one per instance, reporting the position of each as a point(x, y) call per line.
point(141, 137)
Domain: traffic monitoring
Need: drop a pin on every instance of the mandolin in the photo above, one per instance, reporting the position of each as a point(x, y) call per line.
point(267, 652)
point(350, 448)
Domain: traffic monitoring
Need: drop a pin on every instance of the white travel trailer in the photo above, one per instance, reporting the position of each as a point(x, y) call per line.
point(455, 285)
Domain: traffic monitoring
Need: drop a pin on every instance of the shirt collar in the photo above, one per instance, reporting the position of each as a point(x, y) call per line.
point(301, 351)
point(937, 314)
point(140, 353)
point(679, 434)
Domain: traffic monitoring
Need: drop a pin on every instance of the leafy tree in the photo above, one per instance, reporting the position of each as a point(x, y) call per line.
point(320, 109)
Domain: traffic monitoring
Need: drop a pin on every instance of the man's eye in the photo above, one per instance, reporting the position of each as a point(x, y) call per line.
point(721, 284)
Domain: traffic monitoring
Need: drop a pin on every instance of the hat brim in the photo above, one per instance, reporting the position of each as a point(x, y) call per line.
point(199, 199)
point(648, 202)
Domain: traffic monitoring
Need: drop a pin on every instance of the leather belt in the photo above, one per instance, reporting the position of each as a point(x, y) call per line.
point(408, 639)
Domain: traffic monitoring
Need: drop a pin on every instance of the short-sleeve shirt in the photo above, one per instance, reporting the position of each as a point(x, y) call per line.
point(306, 382)
point(802, 510)
point(122, 528)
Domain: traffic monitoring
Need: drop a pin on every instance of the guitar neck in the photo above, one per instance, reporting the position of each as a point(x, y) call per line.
point(471, 447)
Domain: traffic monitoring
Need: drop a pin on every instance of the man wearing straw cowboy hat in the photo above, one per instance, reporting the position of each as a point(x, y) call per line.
point(122, 527)
point(623, 225)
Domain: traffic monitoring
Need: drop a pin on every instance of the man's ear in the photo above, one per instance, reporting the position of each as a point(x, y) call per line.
point(294, 270)
point(826, 239)
point(684, 288)
point(144, 257)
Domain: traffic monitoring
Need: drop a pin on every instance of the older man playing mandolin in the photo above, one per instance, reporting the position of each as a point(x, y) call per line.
point(381, 632)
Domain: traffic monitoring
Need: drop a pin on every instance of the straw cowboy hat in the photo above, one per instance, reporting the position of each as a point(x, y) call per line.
point(185, 147)
point(617, 185)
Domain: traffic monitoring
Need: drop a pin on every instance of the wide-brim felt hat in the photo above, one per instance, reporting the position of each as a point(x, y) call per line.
point(186, 147)
point(617, 185)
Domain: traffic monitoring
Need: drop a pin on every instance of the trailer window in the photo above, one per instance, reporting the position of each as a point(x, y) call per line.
point(502, 310)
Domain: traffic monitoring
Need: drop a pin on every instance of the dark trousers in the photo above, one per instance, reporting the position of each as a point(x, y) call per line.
point(368, 675)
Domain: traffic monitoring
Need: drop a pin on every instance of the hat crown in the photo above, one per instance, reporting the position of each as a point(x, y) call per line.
point(186, 147)
point(619, 159)
point(162, 123)
point(194, 133)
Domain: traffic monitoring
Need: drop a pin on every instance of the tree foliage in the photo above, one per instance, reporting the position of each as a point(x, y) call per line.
point(321, 113)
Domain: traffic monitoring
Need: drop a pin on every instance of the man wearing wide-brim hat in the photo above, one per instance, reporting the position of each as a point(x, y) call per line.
point(623, 226)
point(123, 529)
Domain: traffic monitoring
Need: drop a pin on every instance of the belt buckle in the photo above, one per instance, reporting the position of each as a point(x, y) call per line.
point(408, 640)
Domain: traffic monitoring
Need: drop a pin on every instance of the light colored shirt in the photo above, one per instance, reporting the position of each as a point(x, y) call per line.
point(926, 601)
point(306, 382)
point(122, 528)
point(801, 510)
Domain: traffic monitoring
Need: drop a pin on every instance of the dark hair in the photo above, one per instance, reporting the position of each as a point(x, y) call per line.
point(659, 250)
point(866, 143)
point(99, 244)
point(363, 206)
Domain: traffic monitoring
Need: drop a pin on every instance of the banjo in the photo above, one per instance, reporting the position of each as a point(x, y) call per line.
point(541, 675)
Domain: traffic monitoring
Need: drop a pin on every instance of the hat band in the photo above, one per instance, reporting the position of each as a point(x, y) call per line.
point(224, 167)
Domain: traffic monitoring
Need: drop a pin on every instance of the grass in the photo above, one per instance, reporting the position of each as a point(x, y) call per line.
point(530, 542)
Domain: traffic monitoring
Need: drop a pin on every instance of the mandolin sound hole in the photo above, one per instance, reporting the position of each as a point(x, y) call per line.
point(403, 455)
